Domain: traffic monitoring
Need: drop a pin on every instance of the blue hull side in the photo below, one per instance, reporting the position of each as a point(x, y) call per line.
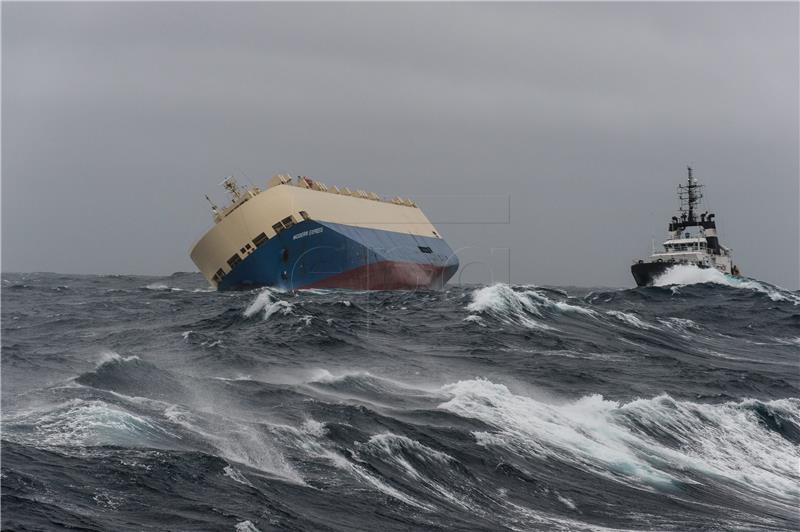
point(313, 253)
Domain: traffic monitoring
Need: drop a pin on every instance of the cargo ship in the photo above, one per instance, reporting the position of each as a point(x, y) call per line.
point(693, 240)
point(297, 234)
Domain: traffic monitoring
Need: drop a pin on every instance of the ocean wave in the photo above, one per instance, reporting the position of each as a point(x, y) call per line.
point(420, 463)
point(251, 431)
point(235, 440)
point(630, 319)
point(132, 376)
point(655, 443)
point(507, 305)
point(270, 304)
point(682, 275)
point(161, 287)
point(81, 423)
point(236, 475)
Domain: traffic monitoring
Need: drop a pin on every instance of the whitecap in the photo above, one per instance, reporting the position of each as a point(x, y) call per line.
point(684, 274)
point(269, 304)
point(507, 305)
point(619, 441)
point(246, 526)
point(630, 319)
point(236, 475)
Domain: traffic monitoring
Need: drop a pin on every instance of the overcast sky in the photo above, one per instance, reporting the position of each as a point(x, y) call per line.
point(117, 118)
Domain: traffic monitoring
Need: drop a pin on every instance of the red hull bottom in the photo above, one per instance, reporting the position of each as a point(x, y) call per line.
point(388, 275)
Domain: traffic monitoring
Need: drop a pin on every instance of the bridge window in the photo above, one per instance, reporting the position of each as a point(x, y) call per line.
point(425, 249)
point(233, 261)
point(278, 227)
point(304, 215)
point(288, 222)
point(260, 239)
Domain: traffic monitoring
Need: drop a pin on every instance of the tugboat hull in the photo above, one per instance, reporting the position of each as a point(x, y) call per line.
point(644, 273)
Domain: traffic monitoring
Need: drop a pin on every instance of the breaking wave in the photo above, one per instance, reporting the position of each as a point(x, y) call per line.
point(685, 274)
point(658, 442)
point(522, 306)
point(269, 303)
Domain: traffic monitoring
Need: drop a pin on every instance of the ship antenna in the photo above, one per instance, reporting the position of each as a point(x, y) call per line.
point(690, 190)
point(230, 184)
point(690, 195)
point(214, 208)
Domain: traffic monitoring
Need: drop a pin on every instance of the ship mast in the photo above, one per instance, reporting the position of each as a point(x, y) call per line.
point(690, 195)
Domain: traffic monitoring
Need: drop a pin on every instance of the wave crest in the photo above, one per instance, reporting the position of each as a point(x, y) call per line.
point(684, 274)
point(520, 307)
point(267, 302)
point(653, 442)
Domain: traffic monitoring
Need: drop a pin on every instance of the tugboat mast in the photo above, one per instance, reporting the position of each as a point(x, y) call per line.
point(690, 195)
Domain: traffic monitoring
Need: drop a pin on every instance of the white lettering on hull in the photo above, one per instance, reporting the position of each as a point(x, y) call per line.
point(307, 233)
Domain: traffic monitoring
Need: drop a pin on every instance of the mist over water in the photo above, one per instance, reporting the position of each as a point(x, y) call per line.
point(133, 403)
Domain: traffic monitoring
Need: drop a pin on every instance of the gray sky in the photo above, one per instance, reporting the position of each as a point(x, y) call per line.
point(118, 118)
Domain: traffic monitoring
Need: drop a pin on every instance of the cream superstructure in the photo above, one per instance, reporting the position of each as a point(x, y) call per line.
point(254, 216)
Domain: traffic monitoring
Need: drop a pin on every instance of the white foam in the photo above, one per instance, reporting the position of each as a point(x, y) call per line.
point(314, 428)
point(113, 356)
point(236, 441)
point(269, 304)
point(160, 287)
point(236, 475)
point(89, 423)
point(630, 319)
point(560, 306)
point(606, 437)
point(246, 526)
point(393, 448)
point(679, 324)
point(509, 306)
point(343, 463)
point(211, 343)
point(685, 274)
point(391, 444)
point(314, 291)
point(475, 319)
point(566, 501)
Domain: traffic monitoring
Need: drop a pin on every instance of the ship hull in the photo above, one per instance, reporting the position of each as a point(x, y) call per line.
point(317, 254)
point(644, 273)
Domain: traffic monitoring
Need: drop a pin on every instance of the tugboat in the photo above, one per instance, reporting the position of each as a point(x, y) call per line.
point(692, 241)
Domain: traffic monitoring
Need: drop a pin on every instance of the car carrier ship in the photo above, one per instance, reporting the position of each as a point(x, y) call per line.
point(692, 241)
point(303, 234)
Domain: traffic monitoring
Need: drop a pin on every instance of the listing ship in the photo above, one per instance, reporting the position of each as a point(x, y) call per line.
point(303, 234)
point(692, 241)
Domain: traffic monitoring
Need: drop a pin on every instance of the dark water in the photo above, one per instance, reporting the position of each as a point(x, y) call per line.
point(140, 403)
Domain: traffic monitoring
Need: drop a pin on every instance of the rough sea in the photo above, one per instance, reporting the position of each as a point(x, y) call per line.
point(141, 403)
